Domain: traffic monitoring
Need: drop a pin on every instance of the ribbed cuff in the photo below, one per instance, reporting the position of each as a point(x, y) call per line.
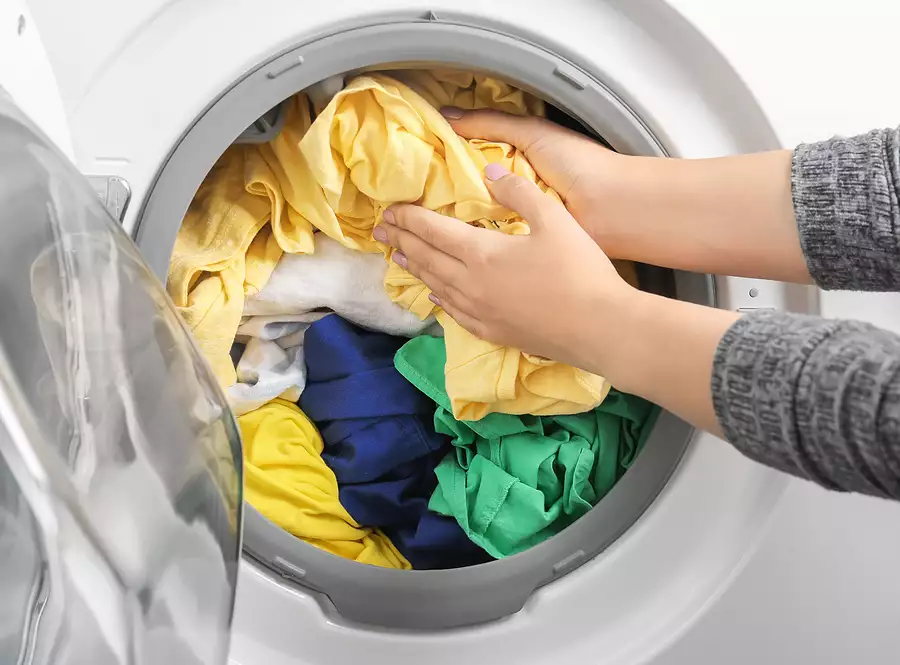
point(817, 398)
point(845, 200)
point(756, 383)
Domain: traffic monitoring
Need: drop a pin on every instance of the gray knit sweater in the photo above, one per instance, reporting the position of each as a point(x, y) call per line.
point(815, 397)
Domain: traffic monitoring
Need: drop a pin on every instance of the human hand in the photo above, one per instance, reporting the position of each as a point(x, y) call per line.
point(554, 293)
point(569, 162)
point(534, 292)
point(730, 215)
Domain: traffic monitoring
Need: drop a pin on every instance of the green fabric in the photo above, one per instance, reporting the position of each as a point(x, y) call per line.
point(514, 481)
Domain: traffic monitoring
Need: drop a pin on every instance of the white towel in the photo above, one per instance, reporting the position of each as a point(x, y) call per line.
point(304, 288)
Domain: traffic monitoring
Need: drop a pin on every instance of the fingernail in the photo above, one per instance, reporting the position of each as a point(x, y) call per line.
point(379, 234)
point(400, 259)
point(433, 298)
point(452, 112)
point(495, 171)
point(388, 216)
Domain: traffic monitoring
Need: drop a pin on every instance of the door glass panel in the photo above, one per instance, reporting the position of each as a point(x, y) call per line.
point(21, 572)
point(115, 432)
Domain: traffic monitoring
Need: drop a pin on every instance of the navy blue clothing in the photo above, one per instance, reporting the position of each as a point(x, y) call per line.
point(380, 441)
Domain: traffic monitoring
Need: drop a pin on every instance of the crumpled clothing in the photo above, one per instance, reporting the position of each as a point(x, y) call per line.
point(380, 442)
point(484, 378)
point(517, 480)
point(379, 142)
point(302, 289)
point(451, 87)
point(233, 234)
point(271, 364)
point(335, 279)
point(288, 482)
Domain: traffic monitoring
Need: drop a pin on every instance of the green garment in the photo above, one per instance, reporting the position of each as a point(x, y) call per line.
point(514, 481)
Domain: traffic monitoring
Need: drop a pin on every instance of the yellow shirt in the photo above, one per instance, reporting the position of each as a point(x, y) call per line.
point(286, 479)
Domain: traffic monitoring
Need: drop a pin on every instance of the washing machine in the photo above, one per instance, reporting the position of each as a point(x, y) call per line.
point(134, 547)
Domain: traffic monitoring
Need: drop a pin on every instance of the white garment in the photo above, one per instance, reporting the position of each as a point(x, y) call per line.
point(272, 364)
point(304, 288)
point(335, 278)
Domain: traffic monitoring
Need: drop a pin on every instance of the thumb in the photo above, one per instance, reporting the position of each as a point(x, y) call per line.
point(522, 196)
point(517, 130)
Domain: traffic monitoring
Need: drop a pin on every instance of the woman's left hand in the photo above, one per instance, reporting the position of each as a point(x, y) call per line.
point(540, 293)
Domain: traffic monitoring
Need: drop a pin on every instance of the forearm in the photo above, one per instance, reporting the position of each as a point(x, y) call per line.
point(660, 349)
point(828, 212)
point(817, 398)
point(732, 215)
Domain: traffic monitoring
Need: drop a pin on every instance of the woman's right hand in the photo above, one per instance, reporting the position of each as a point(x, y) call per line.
point(730, 215)
point(569, 162)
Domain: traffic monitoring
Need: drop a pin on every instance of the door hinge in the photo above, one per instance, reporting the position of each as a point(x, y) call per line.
point(114, 192)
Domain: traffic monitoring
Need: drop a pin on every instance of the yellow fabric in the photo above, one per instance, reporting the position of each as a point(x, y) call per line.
point(380, 142)
point(292, 172)
point(484, 378)
point(448, 87)
point(286, 479)
point(227, 248)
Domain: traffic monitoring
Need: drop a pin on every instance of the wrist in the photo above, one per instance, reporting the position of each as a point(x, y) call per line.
point(612, 329)
point(616, 201)
point(663, 349)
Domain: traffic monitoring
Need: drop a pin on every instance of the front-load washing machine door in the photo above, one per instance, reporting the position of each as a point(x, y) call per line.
point(120, 464)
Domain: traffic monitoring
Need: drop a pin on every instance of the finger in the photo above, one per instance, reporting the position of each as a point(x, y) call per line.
point(466, 320)
point(422, 259)
point(522, 196)
point(520, 131)
point(446, 234)
point(448, 295)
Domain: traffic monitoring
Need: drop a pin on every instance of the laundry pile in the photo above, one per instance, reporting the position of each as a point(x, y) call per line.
point(375, 427)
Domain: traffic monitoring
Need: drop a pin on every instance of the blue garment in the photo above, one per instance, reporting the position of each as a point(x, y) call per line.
point(380, 441)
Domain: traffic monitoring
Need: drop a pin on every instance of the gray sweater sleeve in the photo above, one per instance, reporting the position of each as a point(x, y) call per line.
point(814, 397)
